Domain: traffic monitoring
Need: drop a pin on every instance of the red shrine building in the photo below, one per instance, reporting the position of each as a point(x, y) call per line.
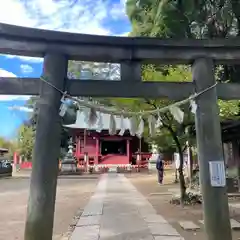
point(105, 149)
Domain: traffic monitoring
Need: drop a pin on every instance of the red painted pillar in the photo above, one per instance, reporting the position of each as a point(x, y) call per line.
point(128, 150)
point(15, 162)
point(76, 149)
point(97, 150)
point(15, 158)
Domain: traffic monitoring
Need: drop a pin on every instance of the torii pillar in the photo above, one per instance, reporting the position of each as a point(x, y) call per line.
point(41, 204)
point(210, 153)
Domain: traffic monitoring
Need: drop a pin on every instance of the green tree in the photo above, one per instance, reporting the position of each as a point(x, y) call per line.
point(8, 144)
point(31, 124)
point(94, 70)
point(26, 137)
point(4, 143)
point(187, 19)
point(171, 134)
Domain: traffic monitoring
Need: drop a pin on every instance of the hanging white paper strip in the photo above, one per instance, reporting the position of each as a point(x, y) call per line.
point(177, 113)
point(112, 125)
point(133, 126)
point(159, 122)
point(193, 106)
point(92, 117)
point(122, 126)
point(140, 128)
point(86, 112)
point(152, 125)
point(63, 109)
point(99, 123)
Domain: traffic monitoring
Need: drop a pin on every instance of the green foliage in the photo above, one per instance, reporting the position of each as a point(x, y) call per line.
point(164, 141)
point(187, 19)
point(229, 110)
point(4, 143)
point(26, 137)
point(93, 70)
point(10, 145)
point(180, 19)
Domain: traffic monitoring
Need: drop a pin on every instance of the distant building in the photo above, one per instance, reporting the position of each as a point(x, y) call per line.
point(102, 148)
point(3, 151)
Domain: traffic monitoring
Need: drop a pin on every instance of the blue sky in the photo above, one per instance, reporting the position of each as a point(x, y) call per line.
point(101, 17)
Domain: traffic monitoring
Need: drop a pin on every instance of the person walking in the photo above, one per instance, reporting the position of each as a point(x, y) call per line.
point(160, 168)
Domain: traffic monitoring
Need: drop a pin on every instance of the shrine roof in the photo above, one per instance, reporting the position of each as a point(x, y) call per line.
point(82, 124)
point(3, 150)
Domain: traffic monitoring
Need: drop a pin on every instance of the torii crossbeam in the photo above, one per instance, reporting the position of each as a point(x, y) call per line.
point(58, 47)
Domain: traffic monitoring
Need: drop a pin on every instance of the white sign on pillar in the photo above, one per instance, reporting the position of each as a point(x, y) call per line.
point(217, 173)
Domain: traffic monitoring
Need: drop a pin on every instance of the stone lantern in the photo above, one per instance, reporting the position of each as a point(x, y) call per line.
point(153, 159)
point(69, 163)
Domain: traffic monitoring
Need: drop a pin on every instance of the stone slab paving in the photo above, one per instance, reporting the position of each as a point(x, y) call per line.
point(168, 238)
point(89, 220)
point(189, 225)
point(86, 233)
point(235, 225)
point(117, 211)
point(88, 226)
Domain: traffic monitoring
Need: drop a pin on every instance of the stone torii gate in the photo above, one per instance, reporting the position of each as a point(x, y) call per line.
point(57, 48)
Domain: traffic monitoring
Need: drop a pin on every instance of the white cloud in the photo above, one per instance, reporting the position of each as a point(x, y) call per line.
point(85, 16)
point(13, 12)
point(26, 59)
point(21, 109)
point(25, 68)
point(4, 73)
point(117, 11)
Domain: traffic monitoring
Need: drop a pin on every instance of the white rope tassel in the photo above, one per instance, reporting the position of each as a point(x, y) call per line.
point(177, 113)
point(159, 122)
point(133, 126)
point(86, 112)
point(92, 119)
point(140, 128)
point(193, 106)
point(100, 123)
point(63, 109)
point(122, 126)
point(152, 125)
point(112, 125)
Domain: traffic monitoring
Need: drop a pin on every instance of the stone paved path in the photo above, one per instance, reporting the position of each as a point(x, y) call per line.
point(117, 211)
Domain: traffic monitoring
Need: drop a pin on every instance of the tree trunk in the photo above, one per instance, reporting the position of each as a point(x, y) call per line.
point(181, 178)
point(180, 170)
point(176, 175)
point(191, 164)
